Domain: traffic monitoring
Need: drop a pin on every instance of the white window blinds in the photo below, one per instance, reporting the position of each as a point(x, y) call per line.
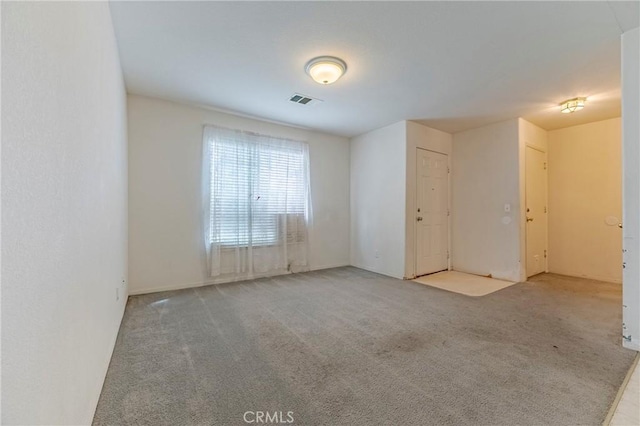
point(258, 199)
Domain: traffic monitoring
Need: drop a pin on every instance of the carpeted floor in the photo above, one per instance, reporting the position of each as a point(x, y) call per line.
point(349, 347)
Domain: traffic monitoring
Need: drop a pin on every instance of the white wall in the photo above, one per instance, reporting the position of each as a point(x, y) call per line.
point(378, 187)
point(532, 135)
point(631, 187)
point(420, 136)
point(165, 163)
point(64, 196)
point(485, 177)
point(584, 189)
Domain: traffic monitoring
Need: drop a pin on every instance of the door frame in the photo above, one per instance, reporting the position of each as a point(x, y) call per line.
point(524, 209)
point(415, 203)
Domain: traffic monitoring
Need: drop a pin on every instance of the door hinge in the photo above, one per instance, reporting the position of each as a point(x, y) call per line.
point(545, 209)
point(448, 170)
point(447, 254)
point(545, 254)
point(448, 212)
point(545, 166)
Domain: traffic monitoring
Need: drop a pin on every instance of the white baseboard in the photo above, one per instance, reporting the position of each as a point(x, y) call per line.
point(633, 345)
point(169, 287)
point(182, 286)
point(576, 274)
point(372, 269)
point(331, 266)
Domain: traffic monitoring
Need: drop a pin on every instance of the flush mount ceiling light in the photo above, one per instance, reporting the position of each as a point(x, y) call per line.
point(325, 69)
point(572, 105)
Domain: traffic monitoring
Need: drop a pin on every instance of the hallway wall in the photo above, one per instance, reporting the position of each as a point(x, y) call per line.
point(585, 201)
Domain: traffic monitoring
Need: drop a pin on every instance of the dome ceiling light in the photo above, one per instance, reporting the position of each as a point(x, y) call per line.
point(325, 69)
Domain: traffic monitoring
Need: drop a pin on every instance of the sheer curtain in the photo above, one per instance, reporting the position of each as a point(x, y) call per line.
point(256, 204)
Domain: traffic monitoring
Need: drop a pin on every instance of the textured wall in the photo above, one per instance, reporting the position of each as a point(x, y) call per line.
point(631, 186)
point(64, 216)
point(486, 176)
point(166, 246)
point(585, 188)
point(378, 188)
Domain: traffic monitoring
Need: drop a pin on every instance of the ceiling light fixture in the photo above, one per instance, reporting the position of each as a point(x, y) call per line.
point(325, 69)
point(572, 105)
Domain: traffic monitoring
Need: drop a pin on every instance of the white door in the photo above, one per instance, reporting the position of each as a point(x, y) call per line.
point(536, 211)
point(432, 203)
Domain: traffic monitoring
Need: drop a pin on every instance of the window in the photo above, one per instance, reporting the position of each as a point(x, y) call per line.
point(258, 190)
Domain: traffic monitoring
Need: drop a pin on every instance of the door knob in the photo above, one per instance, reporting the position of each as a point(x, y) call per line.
point(419, 219)
point(529, 219)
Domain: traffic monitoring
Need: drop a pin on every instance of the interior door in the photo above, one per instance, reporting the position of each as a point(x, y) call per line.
point(536, 211)
point(432, 211)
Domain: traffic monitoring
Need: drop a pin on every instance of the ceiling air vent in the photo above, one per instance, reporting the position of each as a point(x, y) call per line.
point(297, 98)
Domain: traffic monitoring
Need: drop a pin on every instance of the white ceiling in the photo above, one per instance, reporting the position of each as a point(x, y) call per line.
point(450, 65)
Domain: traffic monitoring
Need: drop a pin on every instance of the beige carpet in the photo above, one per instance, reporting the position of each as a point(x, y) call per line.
point(467, 284)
